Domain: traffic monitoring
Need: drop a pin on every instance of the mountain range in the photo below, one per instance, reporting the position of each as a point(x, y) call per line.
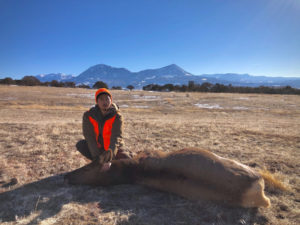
point(171, 74)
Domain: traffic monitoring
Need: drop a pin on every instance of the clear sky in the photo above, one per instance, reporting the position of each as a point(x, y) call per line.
point(258, 37)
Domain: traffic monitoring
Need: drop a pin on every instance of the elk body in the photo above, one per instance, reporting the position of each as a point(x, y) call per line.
point(193, 173)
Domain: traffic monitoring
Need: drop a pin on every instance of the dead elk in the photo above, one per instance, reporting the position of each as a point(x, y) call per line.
point(193, 173)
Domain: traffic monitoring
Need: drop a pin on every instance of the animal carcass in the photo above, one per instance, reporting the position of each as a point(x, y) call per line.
point(192, 173)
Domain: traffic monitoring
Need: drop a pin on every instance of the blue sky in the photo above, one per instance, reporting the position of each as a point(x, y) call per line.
point(258, 37)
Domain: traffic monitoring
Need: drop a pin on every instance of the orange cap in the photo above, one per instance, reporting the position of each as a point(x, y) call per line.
point(101, 91)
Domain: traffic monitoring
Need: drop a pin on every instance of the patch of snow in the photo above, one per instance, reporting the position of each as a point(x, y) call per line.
point(91, 96)
point(146, 97)
point(208, 106)
point(135, 106)
point(141, 106)
point(240, 108)
point(8, 99)
point(243, 98)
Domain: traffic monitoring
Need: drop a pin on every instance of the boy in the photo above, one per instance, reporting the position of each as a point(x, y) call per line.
point(102, 130)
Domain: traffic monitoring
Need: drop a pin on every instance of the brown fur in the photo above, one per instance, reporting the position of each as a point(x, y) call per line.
point(192, 173)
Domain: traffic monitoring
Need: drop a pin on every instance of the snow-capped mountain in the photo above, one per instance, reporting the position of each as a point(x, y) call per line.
point(171, 74)
point(253, 81)
point(110, 75)
point(54, 76)
point(122, 77)
point(167, 71)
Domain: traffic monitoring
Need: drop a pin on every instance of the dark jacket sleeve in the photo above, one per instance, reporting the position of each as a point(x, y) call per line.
point(90, 136)
point(116, 139)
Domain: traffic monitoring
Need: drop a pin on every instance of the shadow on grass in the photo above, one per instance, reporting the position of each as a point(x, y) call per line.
point(48, 196)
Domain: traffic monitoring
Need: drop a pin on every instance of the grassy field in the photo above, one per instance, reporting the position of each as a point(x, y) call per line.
point(39, 127)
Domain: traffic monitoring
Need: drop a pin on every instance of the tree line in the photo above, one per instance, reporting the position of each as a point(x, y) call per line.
point(190, 87)
point(221, 88)
point(33, 81)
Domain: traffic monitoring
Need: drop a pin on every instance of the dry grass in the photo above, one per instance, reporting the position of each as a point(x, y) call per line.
point(273, 182)
point(39, 127)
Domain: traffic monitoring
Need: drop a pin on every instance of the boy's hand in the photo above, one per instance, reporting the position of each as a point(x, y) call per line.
point(105, 157)
point(105, 167)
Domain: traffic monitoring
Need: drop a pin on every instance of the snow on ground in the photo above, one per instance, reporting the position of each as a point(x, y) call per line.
point(92, 96)
point(243, 98)
point(141, 106)
point(240, 108)
point(146, 97)
point(135, 106)
point(216, 106)
point(208, 106)
point(8, 99)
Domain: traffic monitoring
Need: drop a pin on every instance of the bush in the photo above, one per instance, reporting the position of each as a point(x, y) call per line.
point(30, 81)
point(83, 86)
point(130, 87)
point(7, 81)
point(55, 83)
point(116, 88)
point(100, 84)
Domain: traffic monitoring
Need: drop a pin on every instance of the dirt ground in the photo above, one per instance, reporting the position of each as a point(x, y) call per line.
point(39, 127)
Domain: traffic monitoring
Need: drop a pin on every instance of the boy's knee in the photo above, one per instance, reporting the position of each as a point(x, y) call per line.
point(82, 144)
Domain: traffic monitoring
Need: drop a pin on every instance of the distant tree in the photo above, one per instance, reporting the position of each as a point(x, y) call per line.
point(47, 83)
point(205, 87)
point(130, 87)
point(184, 88)
point(55, 83)
point(287, 90)
point(69, 84)
point(191, 86)
point(149, 87)
point(219, 88)
point(100, 84)
point(7, 81)
point(116, 88)
point(18, 82)
point(30, 81)
point(83, 86)
point(177, 87)
point(168, 87)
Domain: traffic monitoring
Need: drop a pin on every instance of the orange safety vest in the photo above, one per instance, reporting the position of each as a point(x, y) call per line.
point(106, 132)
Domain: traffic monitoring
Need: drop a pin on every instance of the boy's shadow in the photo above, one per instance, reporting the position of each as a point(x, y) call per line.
point(47, 197)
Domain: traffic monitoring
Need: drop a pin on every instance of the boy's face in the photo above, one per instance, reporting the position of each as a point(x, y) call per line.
point(104, 102)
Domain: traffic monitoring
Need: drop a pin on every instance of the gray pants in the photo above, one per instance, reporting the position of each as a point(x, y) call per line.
point(83, 148)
